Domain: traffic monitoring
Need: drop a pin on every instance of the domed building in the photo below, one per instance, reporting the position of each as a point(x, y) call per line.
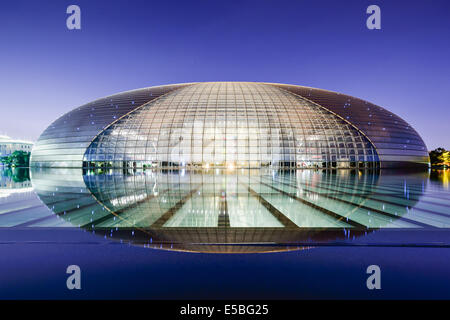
point(230, 125)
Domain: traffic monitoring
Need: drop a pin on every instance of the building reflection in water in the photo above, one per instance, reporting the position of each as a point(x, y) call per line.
point(14, 181)
point(220, 210)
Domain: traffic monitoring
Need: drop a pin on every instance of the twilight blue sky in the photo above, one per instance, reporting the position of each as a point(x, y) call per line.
point(47, 70)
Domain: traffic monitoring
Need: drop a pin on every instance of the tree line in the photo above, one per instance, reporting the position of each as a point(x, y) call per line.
point(440, 157)
point(18, 158)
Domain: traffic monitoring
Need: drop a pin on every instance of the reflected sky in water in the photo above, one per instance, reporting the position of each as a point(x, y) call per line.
point(232, 210)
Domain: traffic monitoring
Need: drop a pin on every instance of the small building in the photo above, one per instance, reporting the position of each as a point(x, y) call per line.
point(9, 145)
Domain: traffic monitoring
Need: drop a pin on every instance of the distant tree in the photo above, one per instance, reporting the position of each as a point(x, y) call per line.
point(440, 156)
point(444, 158)
point(17, 159)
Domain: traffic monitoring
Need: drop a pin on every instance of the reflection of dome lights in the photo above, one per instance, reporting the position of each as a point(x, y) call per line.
point(224, 212)
point(128, 199)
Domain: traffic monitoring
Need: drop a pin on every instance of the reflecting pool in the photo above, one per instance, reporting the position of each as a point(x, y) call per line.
point(233, 211)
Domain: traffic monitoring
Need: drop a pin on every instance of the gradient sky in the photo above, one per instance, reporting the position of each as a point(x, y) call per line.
point(46, 70)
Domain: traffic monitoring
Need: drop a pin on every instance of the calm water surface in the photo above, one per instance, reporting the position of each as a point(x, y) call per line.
point(51, 216)
point(230, 210)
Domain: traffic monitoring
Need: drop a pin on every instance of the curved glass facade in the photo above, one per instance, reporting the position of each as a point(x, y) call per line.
point(397, 143)
point(233, 125)
point(64, 142)
point(229, 124)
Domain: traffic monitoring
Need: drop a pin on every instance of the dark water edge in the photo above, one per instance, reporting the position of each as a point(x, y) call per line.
point(36, 265)
point(414, 264)
point(118, 271)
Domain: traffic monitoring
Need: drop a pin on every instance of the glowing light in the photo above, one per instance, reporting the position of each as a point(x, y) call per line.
point(4, 193)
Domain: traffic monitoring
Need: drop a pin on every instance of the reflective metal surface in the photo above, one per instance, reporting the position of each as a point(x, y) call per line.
point(64, 142)
point(396, 141)
point(221, 124)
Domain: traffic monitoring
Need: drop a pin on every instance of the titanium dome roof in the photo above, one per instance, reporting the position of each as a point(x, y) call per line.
point(229, 124)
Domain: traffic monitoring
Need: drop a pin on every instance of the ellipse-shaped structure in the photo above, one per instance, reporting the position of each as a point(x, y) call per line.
point(230, 125)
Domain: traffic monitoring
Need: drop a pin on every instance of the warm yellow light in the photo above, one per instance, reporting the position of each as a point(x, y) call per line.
point(445, 177)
